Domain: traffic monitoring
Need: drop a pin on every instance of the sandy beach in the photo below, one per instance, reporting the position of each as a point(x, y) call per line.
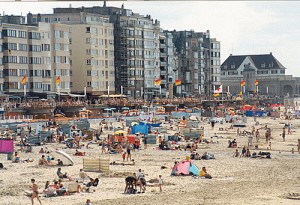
point(235, 180)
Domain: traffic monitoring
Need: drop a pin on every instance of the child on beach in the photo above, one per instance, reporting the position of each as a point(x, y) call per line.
point(160, 183)
point(124, 156)
point(88, 202)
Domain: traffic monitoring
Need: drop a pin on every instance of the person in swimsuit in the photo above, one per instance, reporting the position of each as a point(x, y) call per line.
point(35, 192)
point(128, 152)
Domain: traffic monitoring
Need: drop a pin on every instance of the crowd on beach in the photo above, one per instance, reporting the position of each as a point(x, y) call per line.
point(135, 182)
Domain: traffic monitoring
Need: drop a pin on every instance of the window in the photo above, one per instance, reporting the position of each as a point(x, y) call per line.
point(22, 47)
point(46, 47)
point(88, 62)
point(46, 60)
point(88, 84)
point(88, 29)
point(22, 59)
point(34, 35)
point(10, 59)
point(46, 87)
point(57, 34)
point(263, 65)
point(282, 71)
point(11, 33)
point(70, 40)
point(88, 51)
point(1, 61)
point(35, 48)
point(274, 71)
point(66, 34)
point(87, 40)
point(57, 46)
point(57, 59)
point(22, 72)
point(11, 46)
point(88, 73)
point(13, 72)
point(22, 34)
point(35, 60)
point(66, 47)
point(13, 85)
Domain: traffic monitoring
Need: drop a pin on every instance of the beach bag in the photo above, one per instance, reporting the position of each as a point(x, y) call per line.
point(1, 166)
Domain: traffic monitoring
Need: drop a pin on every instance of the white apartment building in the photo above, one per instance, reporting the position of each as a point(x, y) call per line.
point(91, 49)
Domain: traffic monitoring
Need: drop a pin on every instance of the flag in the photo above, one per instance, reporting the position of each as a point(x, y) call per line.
point(177, 82)
point(157, 81)
point(57, 81)
point(219, 90)
point(23, 81)
point(242, 83)
point(256, 82)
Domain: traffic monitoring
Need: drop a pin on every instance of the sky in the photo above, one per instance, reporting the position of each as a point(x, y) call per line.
point(242, 27)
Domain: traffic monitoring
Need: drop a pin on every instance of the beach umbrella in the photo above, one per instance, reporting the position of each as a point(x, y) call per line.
point(113, 108)
point(107, 109)
point(125, 108)
point(64, 157)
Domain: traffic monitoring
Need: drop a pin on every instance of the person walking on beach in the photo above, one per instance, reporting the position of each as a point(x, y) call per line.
point(35, 192)
point(283, 133)
point(160, 183)
point(257, 135)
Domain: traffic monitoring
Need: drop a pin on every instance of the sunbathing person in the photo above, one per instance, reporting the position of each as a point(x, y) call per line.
point(43, 161)
point(77, 153)
point(62, 176)
point(42, 151)
point(203, 173)
point(122, 163)
point(236, 153)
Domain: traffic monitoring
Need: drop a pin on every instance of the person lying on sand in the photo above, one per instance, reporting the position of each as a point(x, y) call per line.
point(122, 163)
point(77, 153)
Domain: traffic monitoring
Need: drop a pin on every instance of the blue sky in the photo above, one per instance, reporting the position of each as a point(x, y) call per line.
point(243, 27)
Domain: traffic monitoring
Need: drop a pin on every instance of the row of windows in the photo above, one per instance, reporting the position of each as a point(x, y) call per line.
point(99, 31)
point(96, 84)
point(95, 41)
point(99, 73)
point(32, 85)
point(99, 52)
point(259, 72)
point(100, 62)
point(62, 59)
point(23, 47)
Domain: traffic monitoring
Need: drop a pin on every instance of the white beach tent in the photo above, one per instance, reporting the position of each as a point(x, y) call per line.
point(64, 157)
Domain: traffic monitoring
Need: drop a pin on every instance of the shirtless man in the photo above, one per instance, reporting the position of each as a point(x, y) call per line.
point(35, 192)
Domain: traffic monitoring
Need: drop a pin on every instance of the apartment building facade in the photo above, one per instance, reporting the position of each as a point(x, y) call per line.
point(198, 70)
point(168, 64)
point(136, 54)
point(91, 49)
point(26, 52)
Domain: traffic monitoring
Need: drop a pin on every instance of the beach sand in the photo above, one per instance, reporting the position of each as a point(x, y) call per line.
point(235, 180)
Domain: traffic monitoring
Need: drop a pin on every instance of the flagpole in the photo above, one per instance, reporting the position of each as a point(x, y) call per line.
point(25, 91)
